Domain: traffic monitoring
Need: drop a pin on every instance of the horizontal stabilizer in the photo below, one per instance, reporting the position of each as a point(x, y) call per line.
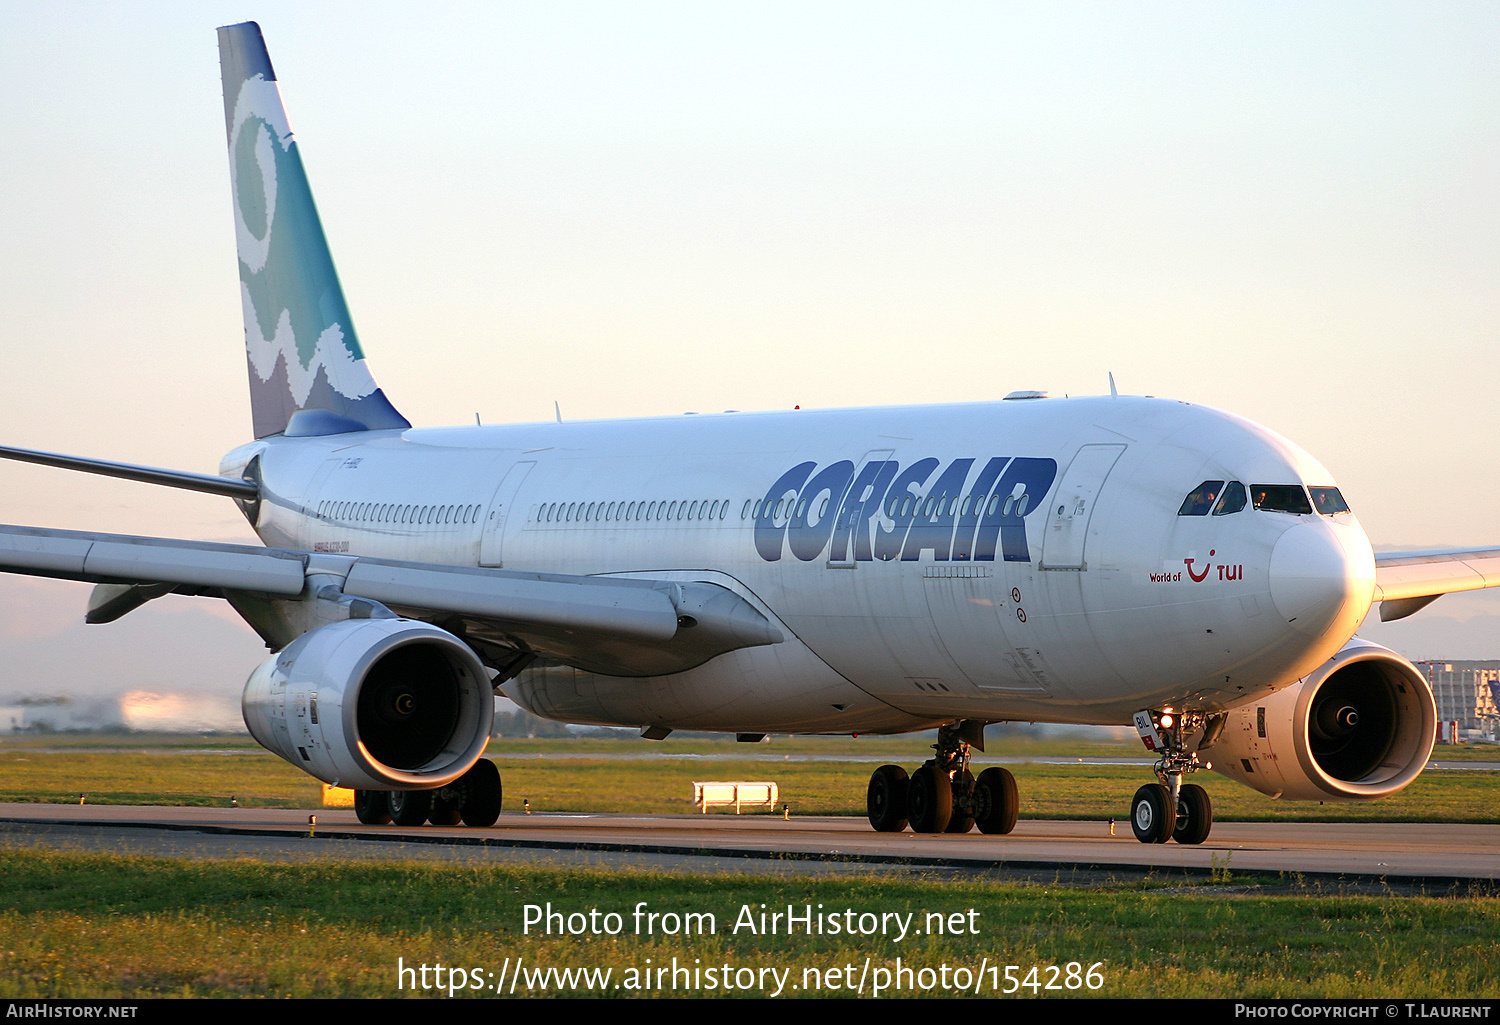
point(244, 490)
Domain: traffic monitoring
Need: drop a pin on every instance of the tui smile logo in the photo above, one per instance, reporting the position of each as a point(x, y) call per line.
point(1199, 577)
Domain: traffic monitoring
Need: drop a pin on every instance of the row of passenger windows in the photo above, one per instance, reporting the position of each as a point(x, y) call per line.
point(618, 512)
point(1225, 498)
point(897, 507)
point(382, 512)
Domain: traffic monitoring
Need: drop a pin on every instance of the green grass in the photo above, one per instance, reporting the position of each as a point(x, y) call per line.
point(79, 925)
point(1466, 753)
point(256, 778)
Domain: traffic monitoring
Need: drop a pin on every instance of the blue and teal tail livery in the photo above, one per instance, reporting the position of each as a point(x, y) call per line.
point(307, 372)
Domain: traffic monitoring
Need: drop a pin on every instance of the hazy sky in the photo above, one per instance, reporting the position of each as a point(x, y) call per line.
point(1285, 210)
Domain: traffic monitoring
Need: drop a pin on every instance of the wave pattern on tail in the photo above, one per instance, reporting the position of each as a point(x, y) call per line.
point(299, 338)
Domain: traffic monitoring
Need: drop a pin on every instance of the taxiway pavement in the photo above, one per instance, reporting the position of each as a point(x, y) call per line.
point(1429, 855)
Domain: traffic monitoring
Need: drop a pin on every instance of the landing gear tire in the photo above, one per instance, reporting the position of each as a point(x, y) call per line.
point(372, 807)
point(996, 801)
point(446, 804)
point(1195, 815)
point(482, 794)
point(886, 799)
point(929, 800)
point(1153, 814)
point(962, 819)
point(410, 807)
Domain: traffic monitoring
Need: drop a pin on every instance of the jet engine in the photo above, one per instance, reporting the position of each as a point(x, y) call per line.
point(374, 704)
point(1360, 727)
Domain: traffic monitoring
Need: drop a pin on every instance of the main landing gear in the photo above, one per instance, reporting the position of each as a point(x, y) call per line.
point(473, 799)
point(942, 795)
point(1171, 809)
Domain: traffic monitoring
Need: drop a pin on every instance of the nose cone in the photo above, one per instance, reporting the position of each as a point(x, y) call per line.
point(1323, 576)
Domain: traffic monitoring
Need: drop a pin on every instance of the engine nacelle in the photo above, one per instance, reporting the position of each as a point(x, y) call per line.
point(1362, 726)
point(375, 704)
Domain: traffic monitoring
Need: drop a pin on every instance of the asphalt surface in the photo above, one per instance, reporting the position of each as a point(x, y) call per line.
point(1404, 855)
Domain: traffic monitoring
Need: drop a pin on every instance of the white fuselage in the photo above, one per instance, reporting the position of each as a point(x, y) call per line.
point(1017, 560)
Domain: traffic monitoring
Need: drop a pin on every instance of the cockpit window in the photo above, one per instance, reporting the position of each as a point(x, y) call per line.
point(1282, 498)
point(1201, 499)
point(1328, 501)
point(1233, 499)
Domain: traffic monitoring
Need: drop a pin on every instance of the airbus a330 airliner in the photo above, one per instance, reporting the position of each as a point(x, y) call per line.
point(1102, 560)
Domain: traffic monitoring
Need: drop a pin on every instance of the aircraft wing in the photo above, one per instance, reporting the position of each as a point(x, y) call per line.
point(620, 626)
point(1408, 581)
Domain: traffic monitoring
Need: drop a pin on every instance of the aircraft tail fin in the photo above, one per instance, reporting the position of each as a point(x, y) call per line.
point(307, 372)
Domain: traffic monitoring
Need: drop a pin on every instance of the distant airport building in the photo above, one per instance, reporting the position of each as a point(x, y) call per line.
point(55, 714)
point(135, 711)
point(1466, 694)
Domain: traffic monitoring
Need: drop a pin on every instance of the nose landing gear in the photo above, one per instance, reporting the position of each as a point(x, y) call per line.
point(1170, 809)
